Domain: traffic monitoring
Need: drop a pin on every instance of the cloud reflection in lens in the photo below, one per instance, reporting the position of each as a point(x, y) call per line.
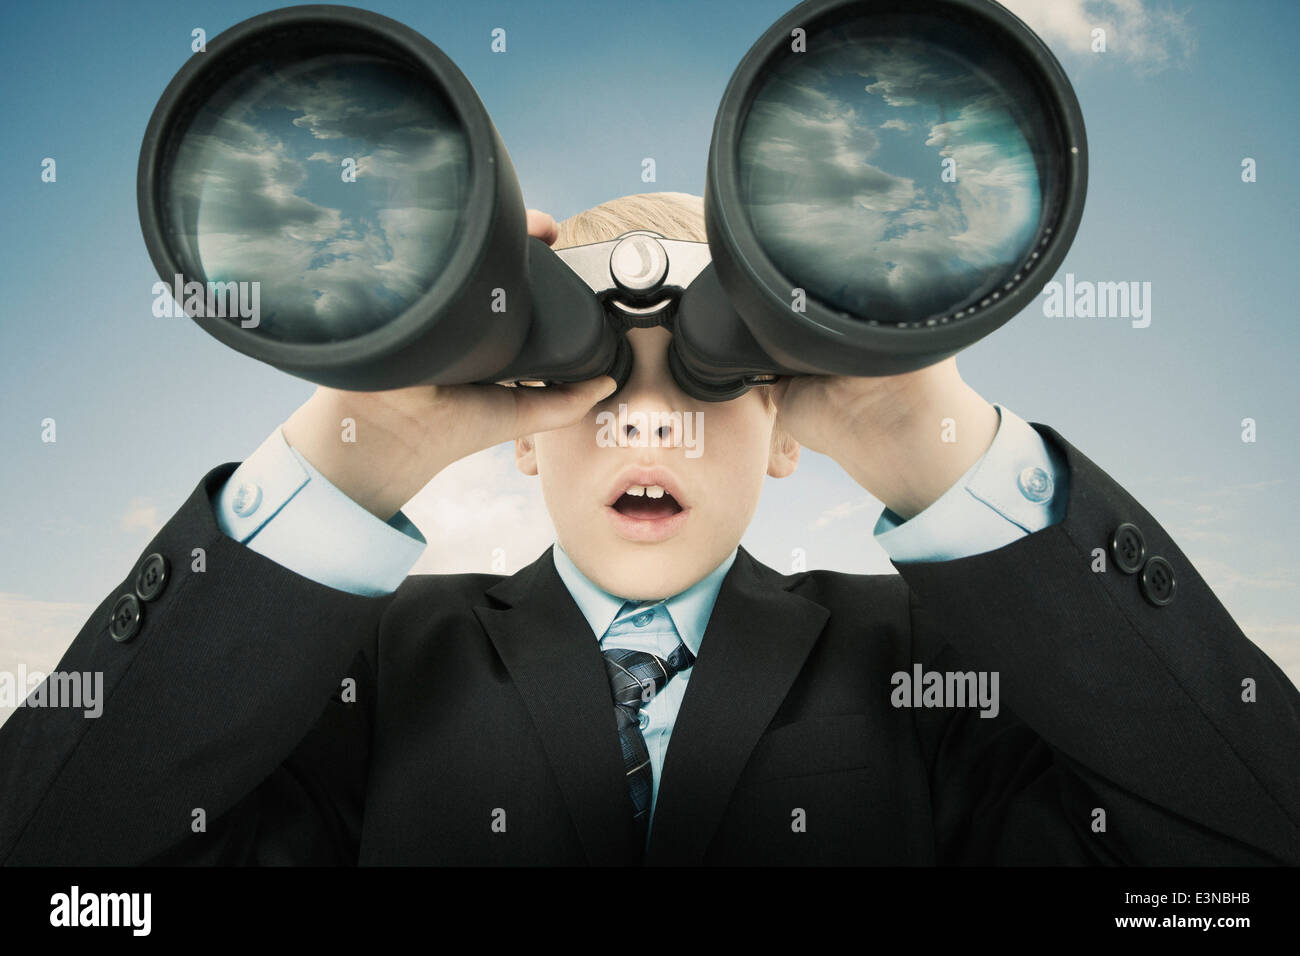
point(840, 163)
point(256, 192)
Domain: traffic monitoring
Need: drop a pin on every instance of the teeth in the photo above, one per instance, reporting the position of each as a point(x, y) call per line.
point(651, 491)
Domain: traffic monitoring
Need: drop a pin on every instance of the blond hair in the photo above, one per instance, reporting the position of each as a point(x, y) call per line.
point(672, 215)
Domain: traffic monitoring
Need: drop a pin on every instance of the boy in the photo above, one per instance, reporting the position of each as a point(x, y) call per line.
point(1047, 680)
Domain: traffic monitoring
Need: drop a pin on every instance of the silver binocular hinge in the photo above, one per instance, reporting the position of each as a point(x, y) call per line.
point(639, 275)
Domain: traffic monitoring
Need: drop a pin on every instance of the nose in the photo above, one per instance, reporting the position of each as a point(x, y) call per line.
point(659, 428)
point(646, 417)
point(648, 406)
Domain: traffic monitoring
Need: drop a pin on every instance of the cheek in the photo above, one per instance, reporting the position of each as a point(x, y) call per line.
point(737, 447)
point(559, 446)
point(564, 462)
point(744, 431)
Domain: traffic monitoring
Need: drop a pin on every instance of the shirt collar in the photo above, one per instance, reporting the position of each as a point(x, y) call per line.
point(690, 610)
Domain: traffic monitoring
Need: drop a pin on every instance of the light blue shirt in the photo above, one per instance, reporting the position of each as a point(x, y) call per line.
point(279, 505)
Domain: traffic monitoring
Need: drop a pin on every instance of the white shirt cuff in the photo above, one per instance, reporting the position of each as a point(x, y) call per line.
point(1018, 487)
point(280, 506)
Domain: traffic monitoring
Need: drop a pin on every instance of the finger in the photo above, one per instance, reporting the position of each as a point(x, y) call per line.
point(558, 406)
point(543, 226)
point(779, 388)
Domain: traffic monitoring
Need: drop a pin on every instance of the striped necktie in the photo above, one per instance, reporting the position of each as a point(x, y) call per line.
point(634, 678)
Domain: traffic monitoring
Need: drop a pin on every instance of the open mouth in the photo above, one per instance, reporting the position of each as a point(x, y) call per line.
point(646, 503)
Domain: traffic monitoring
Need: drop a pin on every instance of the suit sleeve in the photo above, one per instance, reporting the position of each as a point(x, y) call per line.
point(1137, 724)
point(228, 733)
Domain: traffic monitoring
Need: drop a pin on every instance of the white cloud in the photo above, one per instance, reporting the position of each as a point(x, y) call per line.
point(836, 513)
point(141, 514)
point(1149, 39)
point(476, 506)
point(35, 634)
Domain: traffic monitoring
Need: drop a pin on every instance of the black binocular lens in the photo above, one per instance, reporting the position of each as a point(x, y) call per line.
point(338, 182)
point(896, 169)
point(888, 182)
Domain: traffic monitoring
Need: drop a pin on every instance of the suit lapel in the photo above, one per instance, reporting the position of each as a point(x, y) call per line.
point(754, 646)
point(555, 662)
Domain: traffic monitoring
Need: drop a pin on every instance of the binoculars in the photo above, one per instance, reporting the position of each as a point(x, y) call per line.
point(888, 181)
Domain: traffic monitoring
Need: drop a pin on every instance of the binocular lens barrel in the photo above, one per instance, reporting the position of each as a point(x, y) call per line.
point(888, 182)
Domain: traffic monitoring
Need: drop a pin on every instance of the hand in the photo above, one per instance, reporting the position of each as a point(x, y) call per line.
point(405, 436)
point(889, 433)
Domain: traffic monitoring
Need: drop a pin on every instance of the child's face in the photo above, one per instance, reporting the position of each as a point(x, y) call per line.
point(617, 541)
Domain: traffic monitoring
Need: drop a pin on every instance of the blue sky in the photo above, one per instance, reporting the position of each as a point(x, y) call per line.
point(145, 406)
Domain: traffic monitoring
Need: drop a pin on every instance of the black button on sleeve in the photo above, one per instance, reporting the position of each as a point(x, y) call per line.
point(124, 622)
point(152, 577)
point(1128, 548)
point(1158, 583)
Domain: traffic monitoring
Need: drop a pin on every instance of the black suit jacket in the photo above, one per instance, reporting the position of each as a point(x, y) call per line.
point(482, 730)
